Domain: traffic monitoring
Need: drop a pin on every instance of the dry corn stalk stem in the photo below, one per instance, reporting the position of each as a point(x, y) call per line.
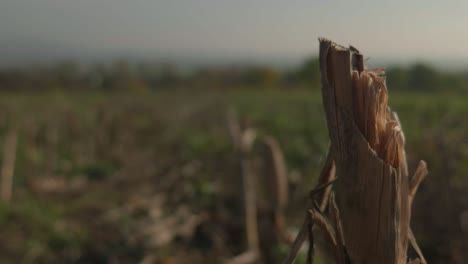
point(370, 221)
point(265, 191)
point(368, 148)
point(8, 165)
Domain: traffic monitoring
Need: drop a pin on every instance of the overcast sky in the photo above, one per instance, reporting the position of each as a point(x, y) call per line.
point(48, 30)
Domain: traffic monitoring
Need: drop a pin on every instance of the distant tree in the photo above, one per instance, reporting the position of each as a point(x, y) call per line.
point(122, 74)
point(67, 73)
point(126, 79)
point(308, 72)
point(262, 76)
point(422, 77)
point(397, 78)
point(457, 82)
point(149, 73)
point(99, 77)
point(168, 75)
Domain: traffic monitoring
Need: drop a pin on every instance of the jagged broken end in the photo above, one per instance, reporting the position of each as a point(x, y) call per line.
point(371, 113)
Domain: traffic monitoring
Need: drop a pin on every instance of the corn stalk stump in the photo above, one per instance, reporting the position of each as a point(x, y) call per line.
point(362, 203)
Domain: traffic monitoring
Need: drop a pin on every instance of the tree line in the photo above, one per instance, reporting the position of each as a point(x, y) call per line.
point(122, 75)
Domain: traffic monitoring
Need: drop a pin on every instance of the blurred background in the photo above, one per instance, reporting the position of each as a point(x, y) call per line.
point(116, 118)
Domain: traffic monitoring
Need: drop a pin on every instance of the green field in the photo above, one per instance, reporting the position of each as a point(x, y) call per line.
point(99, 176)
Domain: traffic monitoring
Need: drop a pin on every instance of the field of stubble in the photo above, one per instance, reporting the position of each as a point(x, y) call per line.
point(106, 178)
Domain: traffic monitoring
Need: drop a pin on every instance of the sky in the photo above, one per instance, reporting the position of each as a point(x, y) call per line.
point(41, 31)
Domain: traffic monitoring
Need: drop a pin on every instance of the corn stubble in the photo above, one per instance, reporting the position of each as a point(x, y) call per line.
point(369, 223)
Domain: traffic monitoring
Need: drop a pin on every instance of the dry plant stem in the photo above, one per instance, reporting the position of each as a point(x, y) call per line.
point(280, 180)
point(419, 175)
point(243, 142)
point(250, 199)
point(416, 248)
point(8, 166)
point(278, 186)
point(250, 205)
point(335, 215)
point(367, 145)
point(319, 219)
point(327, 181)
point(371, 214)
point(327, 175)
point(310, 251)
point(324, 187)
point(356, 163)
